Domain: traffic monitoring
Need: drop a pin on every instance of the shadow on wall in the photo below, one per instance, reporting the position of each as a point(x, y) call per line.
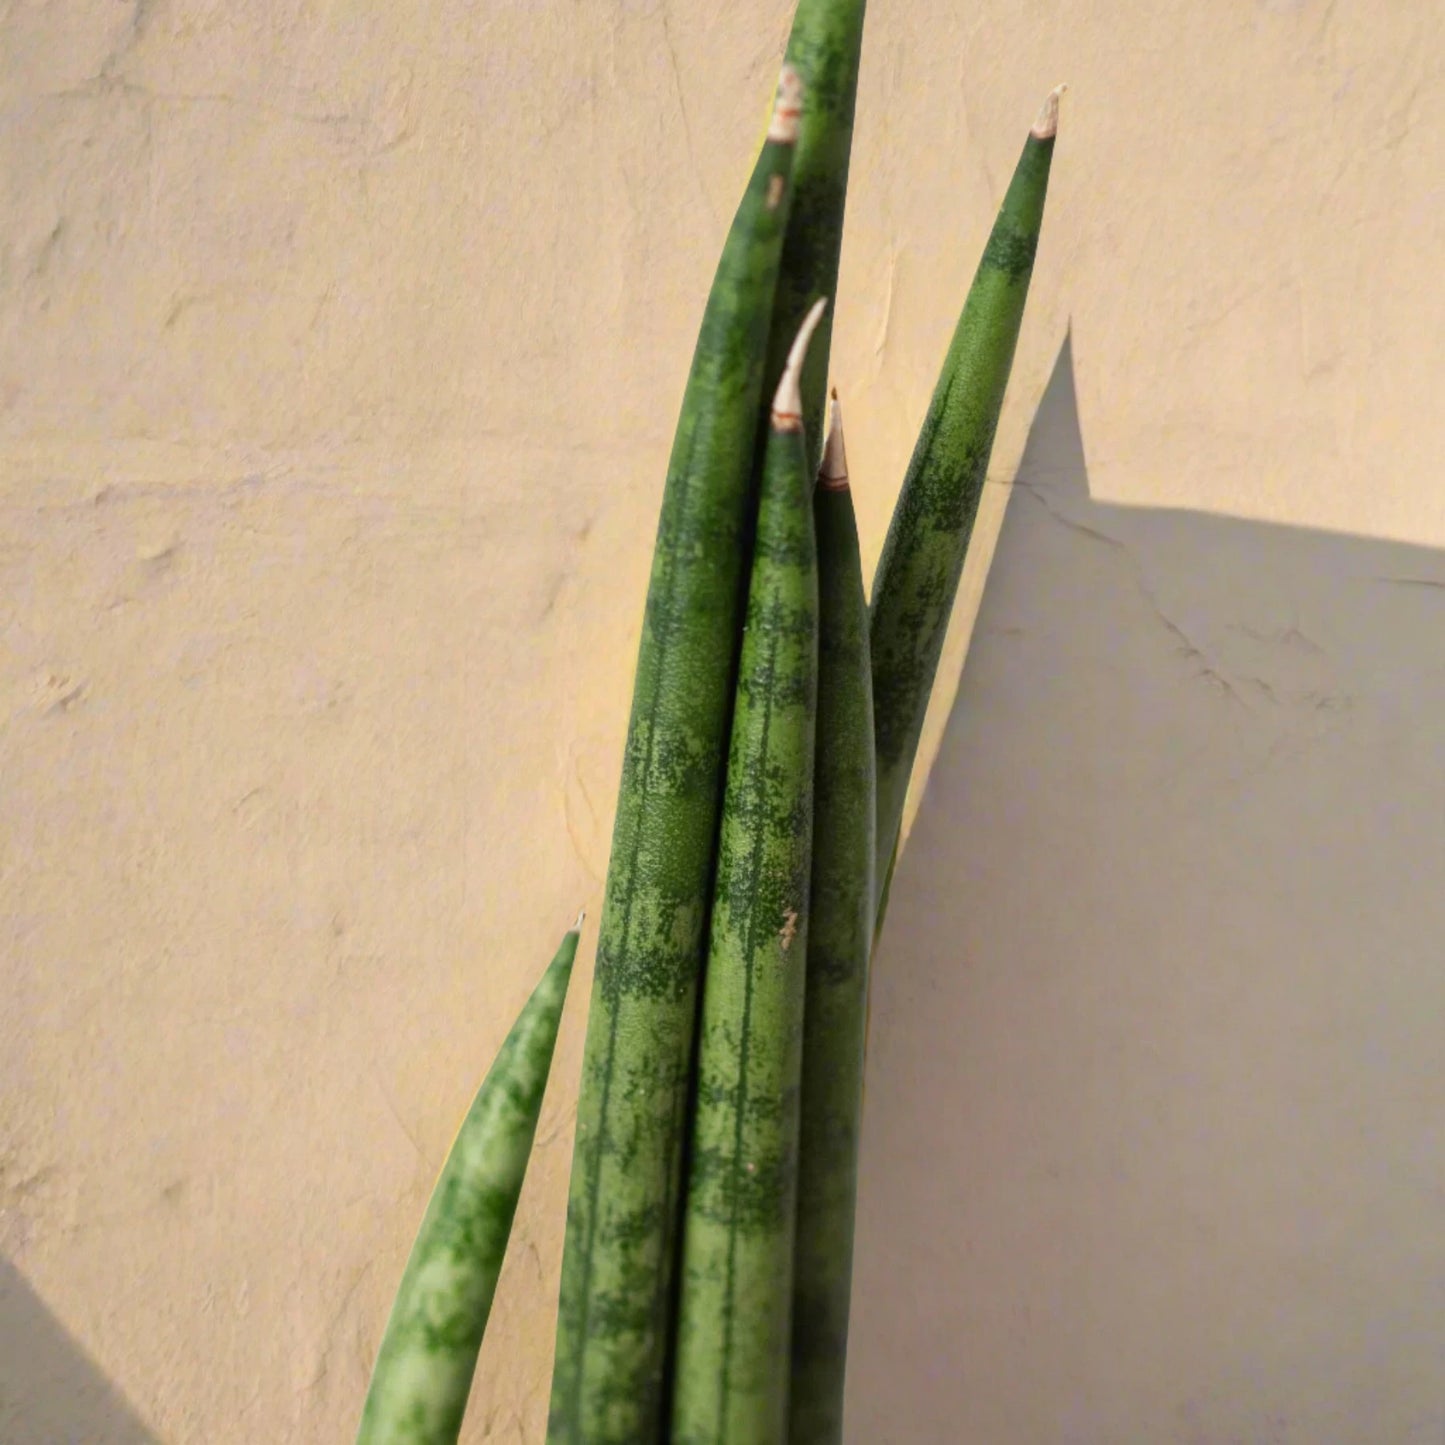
point(51, 1391)
point(1155, 1134)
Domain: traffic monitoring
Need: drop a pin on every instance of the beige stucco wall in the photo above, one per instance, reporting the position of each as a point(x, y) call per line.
point(340, 348)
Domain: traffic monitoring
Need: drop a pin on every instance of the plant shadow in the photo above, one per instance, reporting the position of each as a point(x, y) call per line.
point(51, 1391)
point(1154, 1145)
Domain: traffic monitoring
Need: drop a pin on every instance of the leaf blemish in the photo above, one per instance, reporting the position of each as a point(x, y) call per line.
point(789, 930)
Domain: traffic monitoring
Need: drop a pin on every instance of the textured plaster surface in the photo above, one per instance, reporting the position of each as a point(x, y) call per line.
point(340, 349)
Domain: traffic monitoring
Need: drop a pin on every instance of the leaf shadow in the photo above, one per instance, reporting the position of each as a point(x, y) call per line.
point(51, 1391)
point(1154, 1145)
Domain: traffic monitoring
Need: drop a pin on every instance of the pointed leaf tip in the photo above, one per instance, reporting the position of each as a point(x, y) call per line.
point(787, 412)
point(1046, 124)
point(581, 914)
point(833, 471)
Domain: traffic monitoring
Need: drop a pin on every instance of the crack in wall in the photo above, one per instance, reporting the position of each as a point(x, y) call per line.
point(1187, 646)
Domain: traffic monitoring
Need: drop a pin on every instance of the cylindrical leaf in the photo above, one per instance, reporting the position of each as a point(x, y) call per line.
point(617, 1268)
point(840, 934)
point(731, 1376)
point(927, 540)
point(428, 1354)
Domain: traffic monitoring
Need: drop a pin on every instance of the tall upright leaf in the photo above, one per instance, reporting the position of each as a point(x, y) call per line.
point(730, 1385)
point(840, 938)
point(824, 47)
point(927, 541)
point(617, 1267)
